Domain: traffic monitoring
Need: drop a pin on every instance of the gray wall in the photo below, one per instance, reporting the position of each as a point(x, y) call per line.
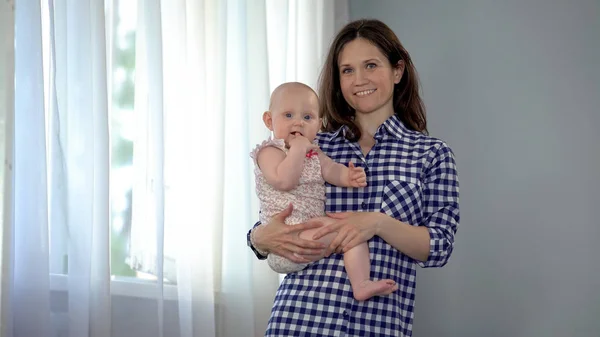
point(514, 88)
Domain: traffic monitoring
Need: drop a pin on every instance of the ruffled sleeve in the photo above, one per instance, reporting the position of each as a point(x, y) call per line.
point(275, 142)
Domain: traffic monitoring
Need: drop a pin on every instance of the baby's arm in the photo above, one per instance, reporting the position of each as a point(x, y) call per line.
point(281, 171)
point(340, 175)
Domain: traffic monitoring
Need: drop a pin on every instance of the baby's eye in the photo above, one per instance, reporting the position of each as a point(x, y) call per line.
point(308, 117)
point(288, 115)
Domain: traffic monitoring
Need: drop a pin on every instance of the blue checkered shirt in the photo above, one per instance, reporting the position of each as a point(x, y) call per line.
point(412, 178)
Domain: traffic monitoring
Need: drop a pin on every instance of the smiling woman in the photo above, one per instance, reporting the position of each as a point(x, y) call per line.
point(406, 212)
point(361, 65)
point(367, 79)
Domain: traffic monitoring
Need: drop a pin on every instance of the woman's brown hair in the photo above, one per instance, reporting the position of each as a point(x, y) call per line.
point(408, 106)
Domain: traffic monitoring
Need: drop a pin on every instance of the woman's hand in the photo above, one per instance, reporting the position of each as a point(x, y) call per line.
point(353, 229)
point(284, 240)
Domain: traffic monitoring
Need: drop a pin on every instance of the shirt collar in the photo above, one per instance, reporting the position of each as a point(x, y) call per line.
point(339, 132)
point(392, 126)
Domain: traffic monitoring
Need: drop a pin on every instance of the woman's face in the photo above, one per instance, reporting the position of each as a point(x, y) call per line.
point(367, 78)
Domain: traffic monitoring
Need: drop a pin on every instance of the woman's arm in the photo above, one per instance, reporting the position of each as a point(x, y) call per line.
point(410, 240)
point(359, 227)
point(441, 213)
point(431, 241)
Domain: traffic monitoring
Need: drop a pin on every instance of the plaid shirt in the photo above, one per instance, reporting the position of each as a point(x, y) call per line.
point(412, 178)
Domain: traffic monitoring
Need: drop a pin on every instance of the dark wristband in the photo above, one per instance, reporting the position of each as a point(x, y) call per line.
point(249, 243)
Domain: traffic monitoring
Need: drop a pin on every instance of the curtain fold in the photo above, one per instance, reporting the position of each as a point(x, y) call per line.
point(7, 70)
point(79, 157)
point(148, 159)
point(246, 89)
point(61, 169)
point(192, 57)
point(30, 295)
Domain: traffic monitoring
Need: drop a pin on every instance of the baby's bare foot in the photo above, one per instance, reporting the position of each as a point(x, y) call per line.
point(368, 289)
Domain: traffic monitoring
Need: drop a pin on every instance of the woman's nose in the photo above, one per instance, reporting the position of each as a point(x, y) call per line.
point(359, 77)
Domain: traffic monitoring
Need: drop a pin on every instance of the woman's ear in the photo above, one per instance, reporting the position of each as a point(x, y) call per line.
point(268, 120)
point(398, 71)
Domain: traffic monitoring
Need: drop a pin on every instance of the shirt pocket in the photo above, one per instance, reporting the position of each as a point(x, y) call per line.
point(402, 199)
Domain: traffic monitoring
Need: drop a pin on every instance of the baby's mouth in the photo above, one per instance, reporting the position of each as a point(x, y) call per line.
point(296, 133)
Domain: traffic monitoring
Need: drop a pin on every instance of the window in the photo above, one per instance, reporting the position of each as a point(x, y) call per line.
point(191, 81)
point(121, 25)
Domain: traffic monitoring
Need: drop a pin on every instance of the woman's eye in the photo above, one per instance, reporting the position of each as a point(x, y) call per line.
point(346, 71)
point(371, 65)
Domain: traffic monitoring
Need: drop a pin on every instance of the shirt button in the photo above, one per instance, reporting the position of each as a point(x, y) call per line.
point(363, 205)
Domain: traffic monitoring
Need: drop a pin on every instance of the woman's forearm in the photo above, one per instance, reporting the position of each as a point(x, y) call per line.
point(257, 240)
point(410, 240)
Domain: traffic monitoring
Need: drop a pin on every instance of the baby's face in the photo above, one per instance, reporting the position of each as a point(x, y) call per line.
point(295, 111)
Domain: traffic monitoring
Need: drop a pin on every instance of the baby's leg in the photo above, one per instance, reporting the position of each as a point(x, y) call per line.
point(358, 268)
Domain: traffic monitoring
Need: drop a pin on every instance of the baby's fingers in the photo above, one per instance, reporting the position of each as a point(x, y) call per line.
point(359, 182)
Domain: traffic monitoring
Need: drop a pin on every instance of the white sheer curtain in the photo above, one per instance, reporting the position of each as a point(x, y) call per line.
point(7, 67)
point(61, 167)
point(78, 144)
point(204, 71)
point(31, 298)
point(218, 61)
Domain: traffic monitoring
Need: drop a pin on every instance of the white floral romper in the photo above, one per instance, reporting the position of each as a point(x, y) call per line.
point(308, 199)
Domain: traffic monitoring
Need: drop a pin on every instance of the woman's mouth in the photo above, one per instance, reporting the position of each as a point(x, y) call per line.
point(365, 92)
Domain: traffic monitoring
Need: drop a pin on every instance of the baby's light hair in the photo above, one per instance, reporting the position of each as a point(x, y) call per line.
point(290, 84)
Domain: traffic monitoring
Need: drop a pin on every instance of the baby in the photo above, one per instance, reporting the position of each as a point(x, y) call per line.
point(290, 168)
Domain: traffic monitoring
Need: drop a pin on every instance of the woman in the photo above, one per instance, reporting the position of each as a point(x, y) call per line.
point(408, 213)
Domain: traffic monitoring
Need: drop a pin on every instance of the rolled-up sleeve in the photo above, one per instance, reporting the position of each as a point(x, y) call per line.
point(440, 204)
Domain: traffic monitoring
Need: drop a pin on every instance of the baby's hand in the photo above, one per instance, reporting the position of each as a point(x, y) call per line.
point(301, 141)
point(356, 176)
